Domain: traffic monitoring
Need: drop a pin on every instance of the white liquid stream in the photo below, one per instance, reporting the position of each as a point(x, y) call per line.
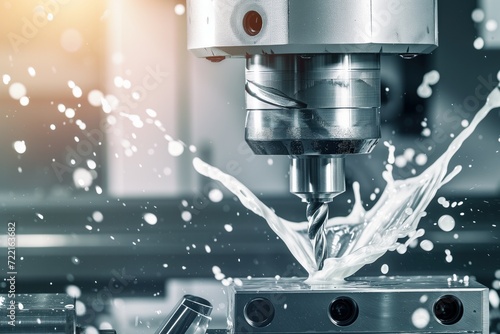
point(363, 236)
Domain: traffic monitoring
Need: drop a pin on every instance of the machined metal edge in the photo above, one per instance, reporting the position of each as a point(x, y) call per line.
point(215, 28)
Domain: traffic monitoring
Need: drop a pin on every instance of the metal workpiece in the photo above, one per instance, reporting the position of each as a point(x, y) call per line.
point(414, 304)
point(190, 316)
point(37, 313)
point(238, 28)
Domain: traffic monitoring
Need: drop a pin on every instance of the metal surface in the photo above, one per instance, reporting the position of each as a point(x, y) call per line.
point(379, 305)
point(38, 313)
point(215, 28)
point(315, 104)
point(317, 178)
point(190, 316)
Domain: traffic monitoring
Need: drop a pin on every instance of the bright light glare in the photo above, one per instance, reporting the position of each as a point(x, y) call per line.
point(491, 25)
point(82, 178)
point(175, 148)
point(77, 92)
point(477, 15)
point(150, 218)
point(70, 113)
point(31, 71)
point(20, 146)
point(17, 90)
point(179, 9)
point(479, 43)
point(24, 101)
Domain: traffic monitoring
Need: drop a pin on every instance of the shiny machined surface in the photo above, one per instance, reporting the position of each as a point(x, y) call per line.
point(383, 304)
point(316, 104)
point(312, 131)
point(190, 316)
point(38, 313)
point(216, 28)
point(310, 107)
point(313, 81)
point(317, 178)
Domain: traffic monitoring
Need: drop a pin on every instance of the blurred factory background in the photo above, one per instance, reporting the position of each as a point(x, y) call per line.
point(103, 109)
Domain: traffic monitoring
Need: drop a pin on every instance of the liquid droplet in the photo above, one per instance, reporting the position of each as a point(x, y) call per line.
point(186, 216)
point(494, 299)
point(82, 178)
point(427, 245)
point(31, 71)
point(446, 223)
point(215, 195)
point(477, 15)
point(95, 98)
point(491, 25)
point(420, 318)
point(97, 216)
point(421, 159)
point(73, 291)
point(179, 9)
point(175, 148)
point(6, 79)
point(17, 90)
point(20, 146)
point(24, 101)
point(150, 218)
point(478, 43)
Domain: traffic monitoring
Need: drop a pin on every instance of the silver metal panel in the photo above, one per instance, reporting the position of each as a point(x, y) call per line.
point(215, 25)
point(314, 26)
point(385, 305)
point(396, 22)
point(329, 22)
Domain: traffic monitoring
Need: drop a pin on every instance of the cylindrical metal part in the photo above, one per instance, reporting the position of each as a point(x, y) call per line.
point(317, 80)
point(316, 108)
point(317, 178)
point(191, 316)
point(312, 131)
point(313, 104)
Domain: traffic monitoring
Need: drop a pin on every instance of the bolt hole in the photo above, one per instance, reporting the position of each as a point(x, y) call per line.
point(343, 311)
point(259, 312)
point(252, 23)
point(448, 310)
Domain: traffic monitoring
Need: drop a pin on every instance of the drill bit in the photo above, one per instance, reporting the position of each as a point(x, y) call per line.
point(317, 215)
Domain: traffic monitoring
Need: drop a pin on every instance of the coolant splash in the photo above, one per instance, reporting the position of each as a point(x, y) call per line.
point(363, 236)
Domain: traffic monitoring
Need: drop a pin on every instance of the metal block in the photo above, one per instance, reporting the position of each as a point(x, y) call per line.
point(361, 305)
point(38, 313)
